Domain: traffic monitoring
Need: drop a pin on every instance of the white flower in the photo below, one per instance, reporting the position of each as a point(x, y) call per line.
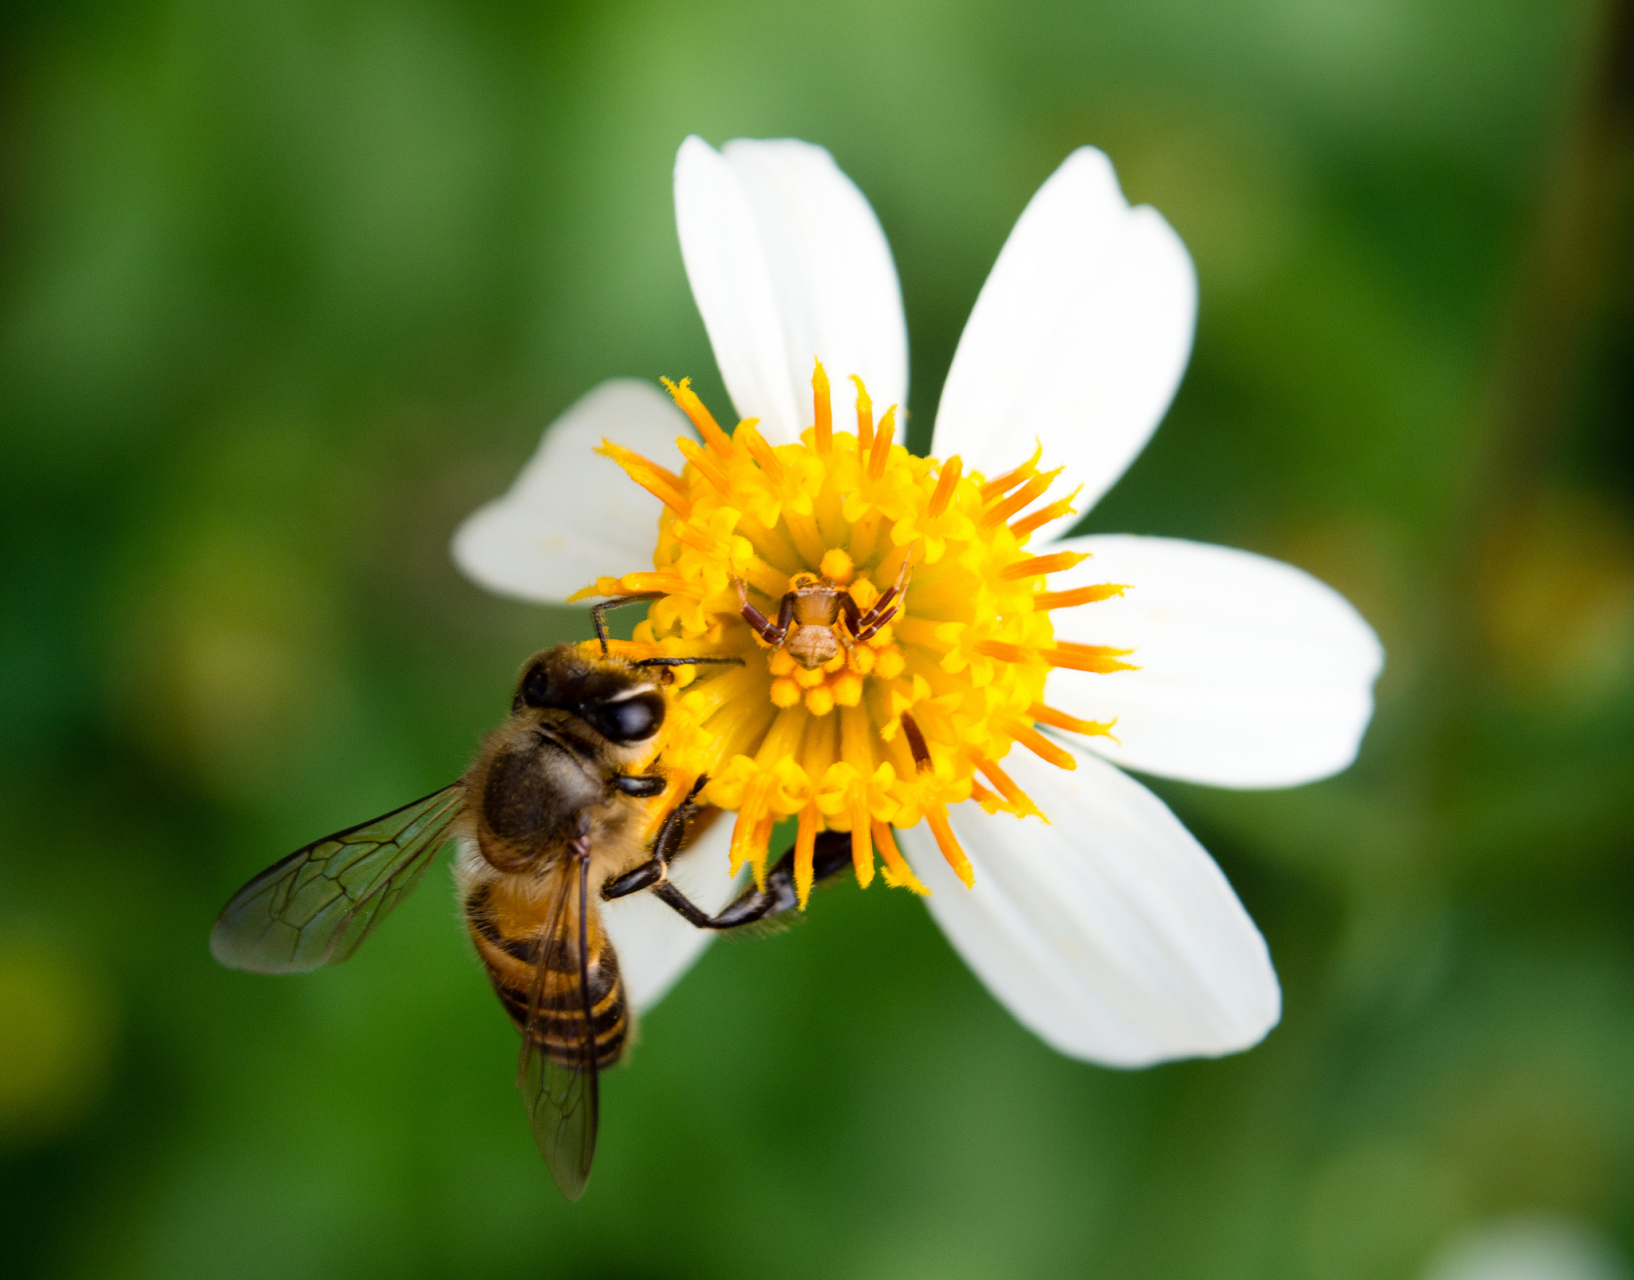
point(1109, 931)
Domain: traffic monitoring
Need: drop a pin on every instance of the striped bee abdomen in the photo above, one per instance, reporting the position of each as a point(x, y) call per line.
point(508, 932)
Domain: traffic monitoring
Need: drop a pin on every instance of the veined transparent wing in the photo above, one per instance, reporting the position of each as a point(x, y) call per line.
point(317, 905)
point(559, 1071)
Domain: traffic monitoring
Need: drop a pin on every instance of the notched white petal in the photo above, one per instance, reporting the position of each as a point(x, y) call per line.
point(572, 514)
point(1079, 337)
point(788, 263)
point(1110, 932)
point(654, 945)
point(1252, 673)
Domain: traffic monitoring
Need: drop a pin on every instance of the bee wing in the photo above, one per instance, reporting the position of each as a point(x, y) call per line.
point(561, 1089)
point(317, 905)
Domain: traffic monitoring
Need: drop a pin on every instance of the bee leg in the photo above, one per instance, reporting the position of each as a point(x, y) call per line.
point(665, 846)
point(831, 854)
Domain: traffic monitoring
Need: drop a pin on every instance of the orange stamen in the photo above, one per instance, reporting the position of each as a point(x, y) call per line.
point(1010, 479)
point(1007, 788)
point(1052, 563)
point(1003, 650)
point(699, 457)
point(1021, 528)
point(882, 444)
point(1002, 511)
point(1087, 657)
point(759, 450)
point(948, 843)
point(946, 483)
point(662, 484)
point(805, 841)
point(632, 584)
point(823, 429)
point(1047, 600)
point(684, 396)
point(862, 848)
point(897, 871)
point(865, 418)
point(1061, 720)
point(1042, 747)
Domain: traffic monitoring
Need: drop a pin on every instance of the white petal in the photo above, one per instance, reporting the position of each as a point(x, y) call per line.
point(654, 945)
point(1252, 673)
point(1079, 337)
point(573, 514)
point(1109, 932)
point(787, 263)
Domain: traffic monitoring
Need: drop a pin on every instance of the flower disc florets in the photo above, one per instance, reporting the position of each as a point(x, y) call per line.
point(899, 724)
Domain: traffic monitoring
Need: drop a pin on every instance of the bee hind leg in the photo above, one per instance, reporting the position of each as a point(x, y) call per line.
point(830, 855)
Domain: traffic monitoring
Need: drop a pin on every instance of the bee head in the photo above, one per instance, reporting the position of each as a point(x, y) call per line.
point(619, 702)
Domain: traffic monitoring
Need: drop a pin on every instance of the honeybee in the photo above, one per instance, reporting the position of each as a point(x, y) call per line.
point(550, 818)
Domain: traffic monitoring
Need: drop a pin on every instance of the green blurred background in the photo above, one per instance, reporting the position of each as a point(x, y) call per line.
point(287, 288)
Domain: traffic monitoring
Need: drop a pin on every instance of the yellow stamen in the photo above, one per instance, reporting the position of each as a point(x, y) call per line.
point(946, 483)
point(823, 430)
point(836, 566)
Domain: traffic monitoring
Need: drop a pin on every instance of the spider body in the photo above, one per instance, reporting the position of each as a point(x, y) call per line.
point(809, 618)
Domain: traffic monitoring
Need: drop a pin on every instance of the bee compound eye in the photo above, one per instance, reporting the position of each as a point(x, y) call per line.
point(629, 719)
point(535, 690)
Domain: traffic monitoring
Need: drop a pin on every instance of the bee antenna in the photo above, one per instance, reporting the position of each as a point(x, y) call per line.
point(688, 662)
point(598, 612)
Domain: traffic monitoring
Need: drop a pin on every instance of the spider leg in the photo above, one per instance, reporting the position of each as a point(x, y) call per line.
point(884, 608)
point(771, 632)
point(853, 616)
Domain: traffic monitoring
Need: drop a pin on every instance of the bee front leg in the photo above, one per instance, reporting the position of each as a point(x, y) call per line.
point(831, 854)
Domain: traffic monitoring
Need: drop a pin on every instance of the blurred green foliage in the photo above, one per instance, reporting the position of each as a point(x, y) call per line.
point(287, 288)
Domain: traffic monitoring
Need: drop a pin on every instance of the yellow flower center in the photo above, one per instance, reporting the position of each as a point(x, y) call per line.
point(918, 643)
